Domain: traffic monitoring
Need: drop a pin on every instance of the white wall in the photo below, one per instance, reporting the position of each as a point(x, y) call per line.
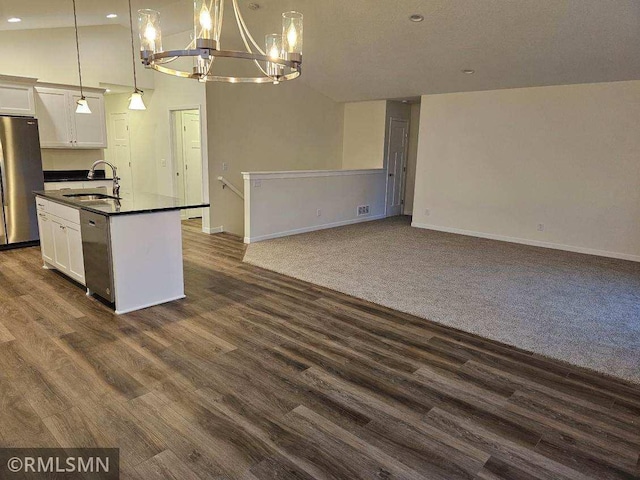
point(364, 133)
point(499, 163)
point(266, 128)
point(278, 204)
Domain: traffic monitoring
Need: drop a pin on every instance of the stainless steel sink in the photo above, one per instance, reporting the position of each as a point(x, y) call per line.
point(90, 197)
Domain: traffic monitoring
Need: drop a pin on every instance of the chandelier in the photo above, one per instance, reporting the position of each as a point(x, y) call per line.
point(280, 60)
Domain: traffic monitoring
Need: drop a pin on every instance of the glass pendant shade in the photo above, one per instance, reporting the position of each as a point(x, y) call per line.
point(292, 33)
point(149, 30)
point(206, 19)
point(273, 49)
point(82, 106)
point(136, 102)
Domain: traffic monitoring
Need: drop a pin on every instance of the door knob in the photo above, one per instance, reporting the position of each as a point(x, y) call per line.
point(391, 174)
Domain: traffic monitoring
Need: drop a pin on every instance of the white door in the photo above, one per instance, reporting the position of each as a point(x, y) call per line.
point(120, 145)
point(76, 257)
point(192, 159)
point(46, 238)
point(396, 165)
point(54, 122)
point(61, 246)
point(89, 130)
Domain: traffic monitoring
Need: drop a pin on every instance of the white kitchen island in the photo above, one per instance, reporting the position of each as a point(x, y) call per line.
point(129, 253)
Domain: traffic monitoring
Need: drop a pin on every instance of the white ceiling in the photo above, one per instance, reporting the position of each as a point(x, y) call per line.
point(368, 49)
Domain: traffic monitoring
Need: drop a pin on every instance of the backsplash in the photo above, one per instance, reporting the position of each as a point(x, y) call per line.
point(69, 159)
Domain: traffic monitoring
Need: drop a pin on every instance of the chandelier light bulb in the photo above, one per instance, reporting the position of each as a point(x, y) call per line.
point(149, 30)
point(205, 20)
point(292, 36)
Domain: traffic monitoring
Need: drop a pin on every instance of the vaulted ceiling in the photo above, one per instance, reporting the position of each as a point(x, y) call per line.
point(369, 49)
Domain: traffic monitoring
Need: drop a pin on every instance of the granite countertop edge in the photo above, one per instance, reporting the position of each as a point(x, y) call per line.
point(58, 197)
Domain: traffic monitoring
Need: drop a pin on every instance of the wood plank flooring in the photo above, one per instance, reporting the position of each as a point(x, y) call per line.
point(259, 376)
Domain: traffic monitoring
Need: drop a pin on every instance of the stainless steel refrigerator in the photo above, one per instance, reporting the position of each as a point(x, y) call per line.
point(20, 175)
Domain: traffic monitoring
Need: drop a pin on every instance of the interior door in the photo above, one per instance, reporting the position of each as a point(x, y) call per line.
point(396, 165)
point(120, 144)
point(192, 158)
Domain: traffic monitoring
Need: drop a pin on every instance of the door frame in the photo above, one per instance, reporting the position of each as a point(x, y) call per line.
point(203, 151)
point(404, 162)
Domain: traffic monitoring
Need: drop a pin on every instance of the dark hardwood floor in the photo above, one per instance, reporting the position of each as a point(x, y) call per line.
point(259, 376)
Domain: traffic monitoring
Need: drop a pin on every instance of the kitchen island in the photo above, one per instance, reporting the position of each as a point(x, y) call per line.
point(127, 252)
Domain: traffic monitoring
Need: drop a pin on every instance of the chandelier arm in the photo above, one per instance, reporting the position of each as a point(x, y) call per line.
point(243, 26)
point(220, 18)
point(244, 32)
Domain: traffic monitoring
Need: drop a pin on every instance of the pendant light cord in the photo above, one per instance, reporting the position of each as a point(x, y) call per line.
point(75, 22)
point(133, 51)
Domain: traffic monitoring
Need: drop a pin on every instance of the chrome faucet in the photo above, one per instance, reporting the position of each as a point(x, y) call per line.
point(116, 184)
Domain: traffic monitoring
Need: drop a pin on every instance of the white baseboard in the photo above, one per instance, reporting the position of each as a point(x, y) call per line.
point(526, 241)
point(312, 228)
point(213, 230)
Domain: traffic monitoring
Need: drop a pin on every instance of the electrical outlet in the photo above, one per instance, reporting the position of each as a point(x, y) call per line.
point(318, 213)
point(427, 212)
point(257, 183)
point(541, 227)
point(363, 210)
point(225, 166)
point(163, 162)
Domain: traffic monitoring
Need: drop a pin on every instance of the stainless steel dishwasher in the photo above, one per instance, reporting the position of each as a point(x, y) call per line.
point(96, 248)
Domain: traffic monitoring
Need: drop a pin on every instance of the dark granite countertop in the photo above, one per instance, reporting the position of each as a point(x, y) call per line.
point(142, 203)
point(73, 176)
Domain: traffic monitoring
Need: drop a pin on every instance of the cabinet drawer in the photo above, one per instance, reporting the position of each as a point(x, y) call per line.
point(69, 214)
point(41, 204)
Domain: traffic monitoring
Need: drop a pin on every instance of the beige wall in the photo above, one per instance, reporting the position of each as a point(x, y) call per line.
point(364, 133)
point(69, 159)
point(50, 55)
point(150, 130)
point(254, 128)
point(499, 163)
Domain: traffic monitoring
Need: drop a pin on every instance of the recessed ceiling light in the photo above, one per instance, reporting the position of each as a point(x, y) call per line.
point(14, 20)
point(112, 15)
point(468, 71)
point(416, 17)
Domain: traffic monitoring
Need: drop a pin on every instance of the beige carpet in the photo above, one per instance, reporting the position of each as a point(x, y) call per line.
point(578, 308)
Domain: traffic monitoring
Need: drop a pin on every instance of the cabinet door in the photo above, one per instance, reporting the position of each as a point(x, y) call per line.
point(45, 227)
point(54, 122)
point(17, 100)
point(60, 245)
point(89, 129)
point(76, 258)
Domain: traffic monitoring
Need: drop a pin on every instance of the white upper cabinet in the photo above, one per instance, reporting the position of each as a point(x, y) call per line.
point(16, 96)
point(90, 129)
point(53, 118)
point(60, 125)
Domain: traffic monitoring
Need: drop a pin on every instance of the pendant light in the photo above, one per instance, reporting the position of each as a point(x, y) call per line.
point(82, 105)
point(135, 100)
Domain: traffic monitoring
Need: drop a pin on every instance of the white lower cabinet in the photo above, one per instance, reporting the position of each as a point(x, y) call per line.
point(45, 225)
point(60, 238)
point(76, 257)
